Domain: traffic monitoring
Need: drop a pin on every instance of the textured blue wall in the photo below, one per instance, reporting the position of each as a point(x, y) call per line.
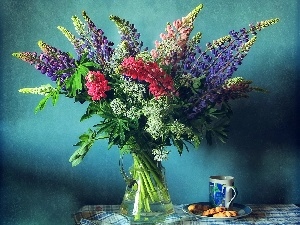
point(39, 186)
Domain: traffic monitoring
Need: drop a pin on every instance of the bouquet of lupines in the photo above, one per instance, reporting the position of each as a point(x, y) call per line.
point(176, 94)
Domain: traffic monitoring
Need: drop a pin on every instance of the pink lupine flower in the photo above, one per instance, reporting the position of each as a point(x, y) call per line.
point(97, 85)
point(178, 34)
point(154, 53)
point(177, 24)
point(163, 36)
point(156, 44)
point(160, 83)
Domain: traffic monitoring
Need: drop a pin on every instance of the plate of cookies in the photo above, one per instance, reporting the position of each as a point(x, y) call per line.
point(206, 211)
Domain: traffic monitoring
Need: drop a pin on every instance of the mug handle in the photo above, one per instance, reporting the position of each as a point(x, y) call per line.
point(228, 188)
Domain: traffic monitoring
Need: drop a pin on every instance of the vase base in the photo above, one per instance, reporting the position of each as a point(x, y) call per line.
point(159, 212)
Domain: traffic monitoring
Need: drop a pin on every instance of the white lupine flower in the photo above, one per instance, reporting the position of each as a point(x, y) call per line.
point(42, 90)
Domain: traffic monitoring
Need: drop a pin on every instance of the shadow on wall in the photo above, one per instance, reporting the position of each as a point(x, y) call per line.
point(265, 154)
point(39, 198)
point(28, 198)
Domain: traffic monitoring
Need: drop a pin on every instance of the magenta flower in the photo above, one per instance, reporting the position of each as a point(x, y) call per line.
point(97, 85)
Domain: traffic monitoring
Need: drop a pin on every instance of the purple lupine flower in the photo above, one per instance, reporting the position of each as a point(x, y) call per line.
point(51, 62)
point(93, 43)
point(129, 35)
point(217, 63)
point(55, 65)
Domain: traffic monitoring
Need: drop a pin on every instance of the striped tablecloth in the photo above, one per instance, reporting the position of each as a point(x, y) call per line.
point(261, 214)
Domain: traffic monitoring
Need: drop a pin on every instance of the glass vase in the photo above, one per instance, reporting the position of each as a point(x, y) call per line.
point(146, 199)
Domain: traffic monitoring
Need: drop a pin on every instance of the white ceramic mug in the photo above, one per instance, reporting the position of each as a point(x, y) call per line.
point(221, 191)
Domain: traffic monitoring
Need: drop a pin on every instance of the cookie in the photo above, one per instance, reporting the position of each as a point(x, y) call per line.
point(226, 214)
point(213, 211)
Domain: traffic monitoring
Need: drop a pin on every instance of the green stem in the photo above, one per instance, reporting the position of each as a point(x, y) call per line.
point(148, 185)
point(151, 186)
point(157, 173)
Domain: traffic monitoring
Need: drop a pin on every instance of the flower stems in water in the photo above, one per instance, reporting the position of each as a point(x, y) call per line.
point(151, 187)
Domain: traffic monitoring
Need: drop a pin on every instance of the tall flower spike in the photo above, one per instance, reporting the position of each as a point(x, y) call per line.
point(190, 18)
point(129, 35)
point(42, 90)
point(78, 43)
point(48, 49)
point(121, 24)
point(235, 88)
point(221, 41)
point(30, 57)
point(262, 24)
point(174, 42)
point(89, 22)
point(68, 34)
point(217, 64)
point(52, 62)
point(79, 26)
point(246, 47)
point(194, 41)
point(95, 43)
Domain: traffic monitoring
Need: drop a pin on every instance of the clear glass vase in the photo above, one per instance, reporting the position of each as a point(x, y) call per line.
point(146, 199)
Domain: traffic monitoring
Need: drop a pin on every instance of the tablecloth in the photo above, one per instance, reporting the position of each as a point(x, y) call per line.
point(261, 214)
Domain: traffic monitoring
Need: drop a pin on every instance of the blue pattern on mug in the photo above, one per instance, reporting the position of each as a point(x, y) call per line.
point(222, 191)
point(217, 194)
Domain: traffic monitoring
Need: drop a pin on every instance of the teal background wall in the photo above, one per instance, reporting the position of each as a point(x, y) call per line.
point(39, 186)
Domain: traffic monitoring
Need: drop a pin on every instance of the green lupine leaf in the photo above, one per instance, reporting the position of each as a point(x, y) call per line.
point(116, 134)
point(41, 105)
point(115, 128)
point(91, 110)
point(86, 142)
point(105, 126)
point(84, 137)
point(78, 155)
point(74, 83)
point(83, 58)
point(218, 130)
point(54, 94)
point(223, 140)
point(129, 145)
point(179, 145)
point(75, 161)
point(90, 64)
point(55, 97)
point(221, 133)
point(83, 70)
point(110, 144)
